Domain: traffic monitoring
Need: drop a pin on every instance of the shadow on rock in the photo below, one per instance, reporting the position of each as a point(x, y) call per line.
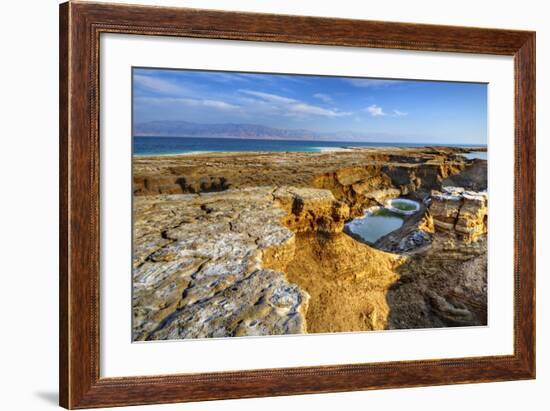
point(444, 287)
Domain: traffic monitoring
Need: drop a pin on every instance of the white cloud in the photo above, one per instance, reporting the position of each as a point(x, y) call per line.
point(273, 98)
point(159, 85)
point(324, 97)
point(372, 83)
point(190, 102)
point(292, 107)
point(221, 105)
point(375, 111)
point(225, 77)
point(399, 113)
point(303, 108)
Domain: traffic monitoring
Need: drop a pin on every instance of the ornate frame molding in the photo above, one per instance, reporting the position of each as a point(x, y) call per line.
point(80, 27)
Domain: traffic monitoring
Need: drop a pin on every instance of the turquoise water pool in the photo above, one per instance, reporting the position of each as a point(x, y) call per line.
point(375, 224)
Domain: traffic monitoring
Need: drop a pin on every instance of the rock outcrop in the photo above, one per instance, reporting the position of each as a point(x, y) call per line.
point(212, 265)
point(310, 209)
point(348, 282)
point(359, 187)
point(460, 211)
point(355, 176)
point(237, 244)
point(473, 177)
point(443, 286)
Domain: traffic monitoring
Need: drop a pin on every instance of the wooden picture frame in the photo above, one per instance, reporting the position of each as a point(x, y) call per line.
point(80, 27)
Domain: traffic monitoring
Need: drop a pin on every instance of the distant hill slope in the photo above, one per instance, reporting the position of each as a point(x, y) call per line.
point(226, 130)
point(175, 128)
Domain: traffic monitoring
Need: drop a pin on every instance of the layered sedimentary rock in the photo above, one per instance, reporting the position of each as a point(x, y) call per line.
point(351, 174)
point(359, 187)
point(309, 209)
point(253, 243)
point(460, 211)
point(473, 177)
point(212, 265)
point(444, 285)
point(348, 282)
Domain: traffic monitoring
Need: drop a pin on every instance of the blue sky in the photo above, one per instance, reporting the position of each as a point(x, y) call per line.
point(379, 109)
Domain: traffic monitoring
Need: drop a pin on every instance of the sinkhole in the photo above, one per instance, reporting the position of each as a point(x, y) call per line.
point(380, 221)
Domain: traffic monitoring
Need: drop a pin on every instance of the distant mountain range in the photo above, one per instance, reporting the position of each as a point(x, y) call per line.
point(245, 131)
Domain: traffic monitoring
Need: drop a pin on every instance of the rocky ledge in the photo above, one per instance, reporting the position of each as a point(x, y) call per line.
point(460, 211)
point(211, 264)
point(247, 254)
point(352, 172)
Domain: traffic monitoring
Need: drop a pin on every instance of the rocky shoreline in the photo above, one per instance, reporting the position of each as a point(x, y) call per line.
point(236, 244)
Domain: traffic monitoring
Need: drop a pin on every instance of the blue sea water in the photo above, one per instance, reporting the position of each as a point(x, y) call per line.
point(150, 146)
point(482, 155)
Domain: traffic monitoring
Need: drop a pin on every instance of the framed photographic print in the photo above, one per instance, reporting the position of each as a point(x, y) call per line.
point(257, 205)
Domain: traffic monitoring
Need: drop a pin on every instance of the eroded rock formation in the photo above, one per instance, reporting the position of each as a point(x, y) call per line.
point(348, 282)
point(212, 265)
point(253, 244)
point(443, 286)
point(350, 173)
point(460, 211)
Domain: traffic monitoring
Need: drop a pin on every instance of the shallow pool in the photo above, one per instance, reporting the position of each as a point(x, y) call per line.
point(403, 206)
point(375, 224)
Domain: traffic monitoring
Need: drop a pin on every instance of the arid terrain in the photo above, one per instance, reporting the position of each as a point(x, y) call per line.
point(237, 244)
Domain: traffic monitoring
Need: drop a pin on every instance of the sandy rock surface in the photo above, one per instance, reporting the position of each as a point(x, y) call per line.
point(210, 265)
point(236, 244)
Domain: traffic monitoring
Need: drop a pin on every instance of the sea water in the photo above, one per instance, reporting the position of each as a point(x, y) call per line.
point(154, 146)
point(482, 155)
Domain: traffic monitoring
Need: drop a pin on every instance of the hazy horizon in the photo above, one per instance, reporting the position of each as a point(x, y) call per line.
point(367, 110)
point(340, 141)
